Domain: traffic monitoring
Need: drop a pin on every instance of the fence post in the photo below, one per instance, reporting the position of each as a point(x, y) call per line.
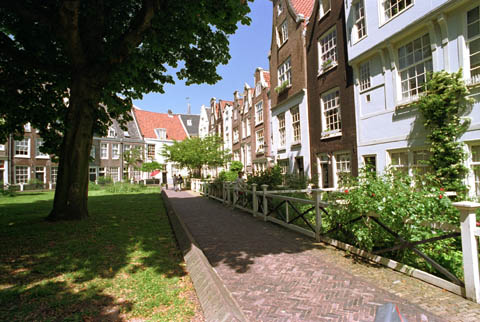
point(224, 192)
point(254, 199)
point(318, 216)
point(469, 248)
point(265, 201)
point(21, 187)
point(235, 195)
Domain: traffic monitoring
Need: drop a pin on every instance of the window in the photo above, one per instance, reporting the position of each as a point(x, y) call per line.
point(324, 169)
point(53, 174)
point(473, 43)
point(21, 174)
point(235, 135)
point(415, 61)
point(38, 153)
point(112, 133)
point(327, 45)
point(115, 151)
point(258, 89)
point(392, 8)
point(364, 76)
point(151, 151)
point(281, 130)
point(2, 147)
point(284, 165)
point(92, 174)
point(279, 9)
point(126, 134)
point(189, 122)
point(40, 174)
point(114, 174)
point(22, 148)
point(247, 124)
point(259, 113)
point(284, 73)
point(235, 112)
point(370, 162)
point(161, 134)
point(92, 152)
point(324, 7)
point(260, 141)
point(236, 155)
point(296, 124)
point(476, 167)
point(399, 161)
point(103, 150)
point(331, 117)
point(101, 172)
point(27, 127)
point(342, 163)
point(127, 147)
point(249, 154)
point(420, 162)
point(359, 30)
point(283, 33)
point(299, 166)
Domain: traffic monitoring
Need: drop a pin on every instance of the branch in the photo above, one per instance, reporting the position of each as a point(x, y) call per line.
point(134, 35)
point(69, 14)
point(29, 14)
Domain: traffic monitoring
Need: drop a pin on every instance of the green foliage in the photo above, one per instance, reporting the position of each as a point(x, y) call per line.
point(226, 176)
point(104, 180)
point(151, 166)
point(272, 177)
point(124, 187)
point(442, 106)
point(9, 190)
point(400, 206)
point(195, 152)
point(296, 181)
point(133, 158)
point(236, 166)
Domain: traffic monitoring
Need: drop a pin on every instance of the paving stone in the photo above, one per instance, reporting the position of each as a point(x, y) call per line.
point(278, 275)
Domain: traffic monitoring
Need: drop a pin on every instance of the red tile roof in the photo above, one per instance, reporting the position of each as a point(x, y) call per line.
point(149, 121)
point(225, 103)
point(303, 7)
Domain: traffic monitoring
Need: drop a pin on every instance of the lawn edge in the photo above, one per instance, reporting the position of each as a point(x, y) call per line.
point(216, 300)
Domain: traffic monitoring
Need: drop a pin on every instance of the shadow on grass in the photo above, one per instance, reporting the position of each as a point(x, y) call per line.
point(60, 270)
point(234, 237)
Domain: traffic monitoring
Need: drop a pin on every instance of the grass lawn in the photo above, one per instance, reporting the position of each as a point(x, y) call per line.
point(121, 263)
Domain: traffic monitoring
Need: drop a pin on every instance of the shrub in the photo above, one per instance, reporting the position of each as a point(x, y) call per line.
point(124, 187)
point(271, 177)
point(104, 180)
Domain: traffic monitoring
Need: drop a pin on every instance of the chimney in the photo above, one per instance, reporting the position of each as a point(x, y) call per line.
point(170, 113)
point(189, 109)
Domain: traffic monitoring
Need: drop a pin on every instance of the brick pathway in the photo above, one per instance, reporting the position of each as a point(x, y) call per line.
point(276, 274)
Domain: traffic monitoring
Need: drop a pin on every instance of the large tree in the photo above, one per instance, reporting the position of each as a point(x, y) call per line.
point(194, 153)
point(69, 66)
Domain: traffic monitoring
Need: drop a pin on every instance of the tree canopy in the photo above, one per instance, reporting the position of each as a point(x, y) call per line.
point(194, 153)
point(69, 66)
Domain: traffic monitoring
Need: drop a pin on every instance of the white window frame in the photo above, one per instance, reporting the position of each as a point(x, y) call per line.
point(282, 142)
point(21, 144)
point(284, 165)
point(115, 151)
point(259, 113)
point(2, 147)
point(104, 147)
point(249, 154)
point(387, 9)
point(282, 32)
point(474, 163)
point(359, 21)
point(285, 73)
point(327, 50)
point(324, 159)
point(258, 89)
point(279, 8)
point(112, 133)
point(420, 167)
point(38, 153)
point(404, 167)
point(161, 133)
point(149, 154)
point(53, 175)
point(27, 127)
point(260, 141)
point(40, 169)
point(26, 173)
point(114, 173)
point(364, 78)
point(324, 7)
point(331, 113)
point(249, 130)
point(405, 94)
point(235, 135)
point(296, 125)
point(340, 163)
point(471, 78)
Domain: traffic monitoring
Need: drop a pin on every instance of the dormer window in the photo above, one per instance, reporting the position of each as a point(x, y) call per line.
point(258, 89)
point(27, 127)
point(126, 134)
point(161, 134)
point(324, 7)
point(279, 9)
point(189, 122)
point(112, 133)
point(283, 33)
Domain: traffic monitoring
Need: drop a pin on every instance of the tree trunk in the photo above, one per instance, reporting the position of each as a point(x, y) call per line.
point(71, 192)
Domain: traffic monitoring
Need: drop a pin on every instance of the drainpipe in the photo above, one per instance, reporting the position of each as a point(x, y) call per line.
point(10, 160)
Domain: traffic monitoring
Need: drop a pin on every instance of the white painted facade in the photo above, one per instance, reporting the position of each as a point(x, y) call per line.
point(389, 63)
point(204, 123)
point(227, 118)
point(291, 152)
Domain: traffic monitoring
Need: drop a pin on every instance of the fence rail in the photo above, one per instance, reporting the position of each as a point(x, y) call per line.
point(305, 216)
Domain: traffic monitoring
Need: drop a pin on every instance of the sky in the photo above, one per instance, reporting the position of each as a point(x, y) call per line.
point(249, 48)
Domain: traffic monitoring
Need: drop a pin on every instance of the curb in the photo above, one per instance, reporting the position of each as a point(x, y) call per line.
point(217, 302)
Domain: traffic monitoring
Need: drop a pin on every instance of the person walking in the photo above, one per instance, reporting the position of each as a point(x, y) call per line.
point(180, 182)
point(175, 182)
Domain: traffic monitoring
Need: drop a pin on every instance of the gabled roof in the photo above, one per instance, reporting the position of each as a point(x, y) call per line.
point(194, 119)
point(303, 7)
point(149, 121)
point(266, 76)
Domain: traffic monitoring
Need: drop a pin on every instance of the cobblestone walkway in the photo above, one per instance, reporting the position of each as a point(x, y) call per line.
point(278, 275)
